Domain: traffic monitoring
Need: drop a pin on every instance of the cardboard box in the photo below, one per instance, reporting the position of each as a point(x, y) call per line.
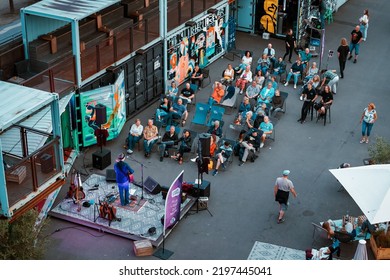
point(143, 248)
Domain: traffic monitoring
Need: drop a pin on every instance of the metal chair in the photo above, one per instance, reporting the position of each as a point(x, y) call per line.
point(201, 113)
point(216, 113)
point(283, 109)
point(320, 235)
point(327, 112)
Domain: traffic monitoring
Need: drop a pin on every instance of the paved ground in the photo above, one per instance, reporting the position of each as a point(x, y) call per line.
point(242, 197)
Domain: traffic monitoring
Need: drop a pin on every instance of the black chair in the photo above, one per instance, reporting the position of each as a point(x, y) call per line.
point(206, 76)
point(325, 118)
point(343, 237)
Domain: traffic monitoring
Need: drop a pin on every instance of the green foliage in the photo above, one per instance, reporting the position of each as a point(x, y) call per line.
point(380, 151)
point(382, 239)
point(18, 240)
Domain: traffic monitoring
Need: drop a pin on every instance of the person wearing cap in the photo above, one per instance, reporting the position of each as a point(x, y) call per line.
point(282, 189)
point(123, 172)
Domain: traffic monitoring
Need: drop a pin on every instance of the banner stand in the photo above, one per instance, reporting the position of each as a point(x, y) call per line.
point(161, 253)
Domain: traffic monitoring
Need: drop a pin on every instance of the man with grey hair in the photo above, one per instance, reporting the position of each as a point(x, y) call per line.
point(283, 187)
point(356, 38)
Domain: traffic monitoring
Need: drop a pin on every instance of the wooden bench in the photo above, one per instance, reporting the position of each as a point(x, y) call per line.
point(114, 21)
point(17, 175)
point(145, 12)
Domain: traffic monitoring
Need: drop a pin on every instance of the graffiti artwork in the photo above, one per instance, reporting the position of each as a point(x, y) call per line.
point(268, 15)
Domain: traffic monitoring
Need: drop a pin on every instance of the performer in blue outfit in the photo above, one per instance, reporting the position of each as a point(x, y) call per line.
point(123, 172)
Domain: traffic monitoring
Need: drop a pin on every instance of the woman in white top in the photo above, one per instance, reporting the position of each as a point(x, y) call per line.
point(364, 24)
point(245, 61)
point(245, 77)
point(228, 75)
point(313, 70)
point(367, 120)
point(135, 134)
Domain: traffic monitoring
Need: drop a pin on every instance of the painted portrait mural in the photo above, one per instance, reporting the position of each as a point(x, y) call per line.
point(195, 44)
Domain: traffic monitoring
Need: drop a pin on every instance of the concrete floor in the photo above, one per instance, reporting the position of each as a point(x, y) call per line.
point(241, 198)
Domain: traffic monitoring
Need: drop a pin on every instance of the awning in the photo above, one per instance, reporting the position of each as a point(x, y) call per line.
point(68, 10)
point(10, 140)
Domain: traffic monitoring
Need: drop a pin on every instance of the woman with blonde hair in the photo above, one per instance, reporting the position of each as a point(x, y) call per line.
point(367, 120)
point(342, 53)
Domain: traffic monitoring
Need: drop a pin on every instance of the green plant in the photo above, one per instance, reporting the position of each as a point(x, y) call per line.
point(380, 151)
point(382, 238)
point(19, 239)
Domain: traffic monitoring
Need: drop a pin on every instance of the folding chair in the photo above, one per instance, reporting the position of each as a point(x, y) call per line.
point(216, 113)
point(284, 96)
point(232, 143)
point(320, 235)
point(201, 113)
point(206, 76)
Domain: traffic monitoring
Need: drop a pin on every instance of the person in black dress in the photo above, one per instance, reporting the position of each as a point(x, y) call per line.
point(342, 53)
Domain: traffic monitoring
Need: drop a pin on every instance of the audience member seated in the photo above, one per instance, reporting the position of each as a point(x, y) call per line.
point(163, 110)
point(223, 154)
point(259, 78)
point(367, 227)
point(172, 90)
point(313, 70)
point(245, 77)
point(279, 67)
point(169, 139)
point(252, 92)
point(325, 102)
point(296, 71)
point(267, 128)
point(213, 144)
point(135, 134)
point(272, 79)
point(228, 75)
point(197, 76)
point(269, 51)
point(242, 110)
point(246, 121)
point(249, 145)
point(218, 92)
point(260, 113)
point(215, 129)
point(187, 93)
point(263, 64)
point(305, 57)
point(266, 94)
point(324, 253)
point(328, 227)
point(150, 137)
point(184, 144)
point(349, 229)
point(277, 103)
point(177, 111)
point(245, 61)
point(309, 96)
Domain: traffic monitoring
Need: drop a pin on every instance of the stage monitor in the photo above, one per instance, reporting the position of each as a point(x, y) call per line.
point(152, 186)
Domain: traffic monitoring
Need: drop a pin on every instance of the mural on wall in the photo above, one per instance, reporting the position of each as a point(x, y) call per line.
point(196, 45)
point(268, 13)
point(103, 107)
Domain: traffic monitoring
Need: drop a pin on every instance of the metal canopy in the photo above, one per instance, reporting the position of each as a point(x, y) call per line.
point(19, 102)
point(68, 10)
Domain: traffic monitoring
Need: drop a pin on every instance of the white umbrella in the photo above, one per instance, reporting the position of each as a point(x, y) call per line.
point(369, 186)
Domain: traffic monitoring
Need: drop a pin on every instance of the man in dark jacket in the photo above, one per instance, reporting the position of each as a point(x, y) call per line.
point(169, 139)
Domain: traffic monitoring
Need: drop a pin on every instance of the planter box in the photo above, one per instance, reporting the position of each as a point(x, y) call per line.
point(379, 253)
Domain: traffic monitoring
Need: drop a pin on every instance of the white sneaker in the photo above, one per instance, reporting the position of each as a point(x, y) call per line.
point(301, 98)
point(194, 159)
point(295, 86)
point(286, 84)
point(261, 145)
point(129, 151)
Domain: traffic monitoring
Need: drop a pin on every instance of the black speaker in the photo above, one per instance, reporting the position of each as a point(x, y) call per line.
point(204, 189)
point(205, 140)
point(101, 159)
point(110, 175)
point(152, 186)
point(101, 114)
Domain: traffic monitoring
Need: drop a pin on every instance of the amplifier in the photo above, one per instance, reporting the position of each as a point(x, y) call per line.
point(101, 159)
point(204, 189)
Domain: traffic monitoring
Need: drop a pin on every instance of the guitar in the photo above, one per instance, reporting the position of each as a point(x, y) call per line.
point(76, 191)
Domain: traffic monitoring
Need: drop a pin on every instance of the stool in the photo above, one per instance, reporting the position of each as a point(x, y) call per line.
point(17, 175)
point(327, 112)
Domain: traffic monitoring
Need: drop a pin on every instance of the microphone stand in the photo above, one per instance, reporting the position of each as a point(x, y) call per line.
point(142, 176)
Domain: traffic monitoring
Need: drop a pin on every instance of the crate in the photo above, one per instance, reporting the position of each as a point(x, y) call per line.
point(17, 175)
point(143, 248)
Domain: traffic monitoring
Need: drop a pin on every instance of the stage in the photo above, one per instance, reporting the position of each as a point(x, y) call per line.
point(135, 219)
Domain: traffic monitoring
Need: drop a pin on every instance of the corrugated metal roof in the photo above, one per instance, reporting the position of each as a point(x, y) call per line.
point(18, 102)
point(10, 140)
point(68, 9)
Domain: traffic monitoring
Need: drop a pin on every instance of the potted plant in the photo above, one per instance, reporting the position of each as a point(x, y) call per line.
point(380, 244)
point(380, 151)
